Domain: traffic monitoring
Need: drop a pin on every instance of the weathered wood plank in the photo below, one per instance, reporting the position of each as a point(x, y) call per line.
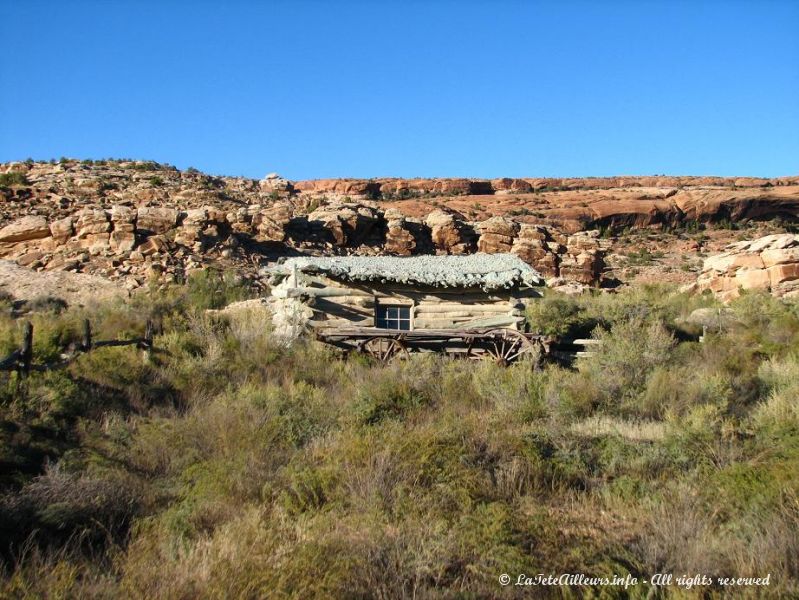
point(458, 308)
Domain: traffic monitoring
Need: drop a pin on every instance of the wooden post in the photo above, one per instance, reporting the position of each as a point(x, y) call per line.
point(148, 334)
point(86, 342)
point(26, 352)
point(148, 340)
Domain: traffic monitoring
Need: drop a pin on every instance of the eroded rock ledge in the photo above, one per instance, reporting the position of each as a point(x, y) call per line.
point(138, 244)
point(136, 221)
point(769, 263)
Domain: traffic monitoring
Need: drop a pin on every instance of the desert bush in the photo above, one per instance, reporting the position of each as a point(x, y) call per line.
point(674, 390)
point(46, 304)
point(13, 179)
point(629, 352)
point(57, 507)
point(210, 288)
point(558, 315)
point(777, 417)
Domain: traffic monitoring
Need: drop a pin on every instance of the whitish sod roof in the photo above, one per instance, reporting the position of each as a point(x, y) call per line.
point(488, 271)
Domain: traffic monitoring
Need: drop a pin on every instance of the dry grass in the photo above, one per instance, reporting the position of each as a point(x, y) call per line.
point(636, 431)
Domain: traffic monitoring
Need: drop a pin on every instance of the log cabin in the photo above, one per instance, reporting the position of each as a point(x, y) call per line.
point(406, 293)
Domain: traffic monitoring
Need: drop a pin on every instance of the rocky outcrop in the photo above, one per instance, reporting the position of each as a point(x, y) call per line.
point(273, 184)
point(154, 220)
point(26, 228)
point(497, 235)
point(536, 246)
point(399, 238)
point(92, 229)
point(135, 221)
point(123, 222)
point(769, 263)
point(506, 185)
point(450, 233)
point(345, 224)
point(389, 188)
point(584, 259)
point(271, 222)
point(339, 188)
point(163, 242)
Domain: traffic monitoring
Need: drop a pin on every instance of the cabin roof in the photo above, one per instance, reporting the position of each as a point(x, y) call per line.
point(487, 271)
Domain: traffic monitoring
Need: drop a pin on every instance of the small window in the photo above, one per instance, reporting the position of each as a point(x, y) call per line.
point(393, 317)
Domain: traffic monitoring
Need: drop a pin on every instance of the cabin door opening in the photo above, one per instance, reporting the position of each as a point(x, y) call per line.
point(393, 317)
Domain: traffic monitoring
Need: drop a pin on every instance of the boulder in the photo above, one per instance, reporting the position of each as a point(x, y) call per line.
point(192, 224)
point(532, 245)
point(449, 233)
point(497, 235)
point(122, 238)
point(121, 242)
point(123, 218)
point(152, 220)
point(24, 229)
point(346, 224)
point(271, 222)
point(399, 239)
point(781, 273)
point(153, 245)
point(62, 230)
point(274, 183)
point(585, 267)
point(92, 229)
point(92, 222)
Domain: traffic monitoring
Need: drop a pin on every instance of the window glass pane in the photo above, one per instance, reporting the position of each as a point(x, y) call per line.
point(393, 317)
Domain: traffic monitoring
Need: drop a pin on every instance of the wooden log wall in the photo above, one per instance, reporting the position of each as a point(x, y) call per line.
point(343, 304)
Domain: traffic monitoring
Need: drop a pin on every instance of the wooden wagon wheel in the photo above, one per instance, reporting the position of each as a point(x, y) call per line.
point(506, 345)
point(384, 349)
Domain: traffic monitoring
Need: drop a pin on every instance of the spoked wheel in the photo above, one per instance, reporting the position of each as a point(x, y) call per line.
point(504, 346)
point(384, 349)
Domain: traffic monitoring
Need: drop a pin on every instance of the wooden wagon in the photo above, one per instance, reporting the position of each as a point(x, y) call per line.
point(501, 345)
point(470, 306)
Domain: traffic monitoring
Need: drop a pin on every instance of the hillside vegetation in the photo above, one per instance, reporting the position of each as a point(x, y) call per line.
point(227, 466)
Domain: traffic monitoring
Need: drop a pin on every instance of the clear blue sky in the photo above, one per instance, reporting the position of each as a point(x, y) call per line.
point(360, 89)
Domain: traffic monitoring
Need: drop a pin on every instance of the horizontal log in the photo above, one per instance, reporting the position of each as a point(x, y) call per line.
point(324, 323)
point(325, 303)
point(457, 308)
point(464, 316)
point(324, 292)
point(497, 321)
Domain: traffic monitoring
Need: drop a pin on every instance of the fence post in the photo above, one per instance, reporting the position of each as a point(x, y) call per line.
point(86, 342)
point(148, 340)
point(26, 352)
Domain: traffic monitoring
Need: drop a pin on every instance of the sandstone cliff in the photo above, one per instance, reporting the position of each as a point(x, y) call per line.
point(139, 221)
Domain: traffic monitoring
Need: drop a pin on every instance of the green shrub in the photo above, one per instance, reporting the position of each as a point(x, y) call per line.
point(46, 304)
point(557, 315)
point(13, 179)
point(387, 398)
point(213, 289)
point(620, 368)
